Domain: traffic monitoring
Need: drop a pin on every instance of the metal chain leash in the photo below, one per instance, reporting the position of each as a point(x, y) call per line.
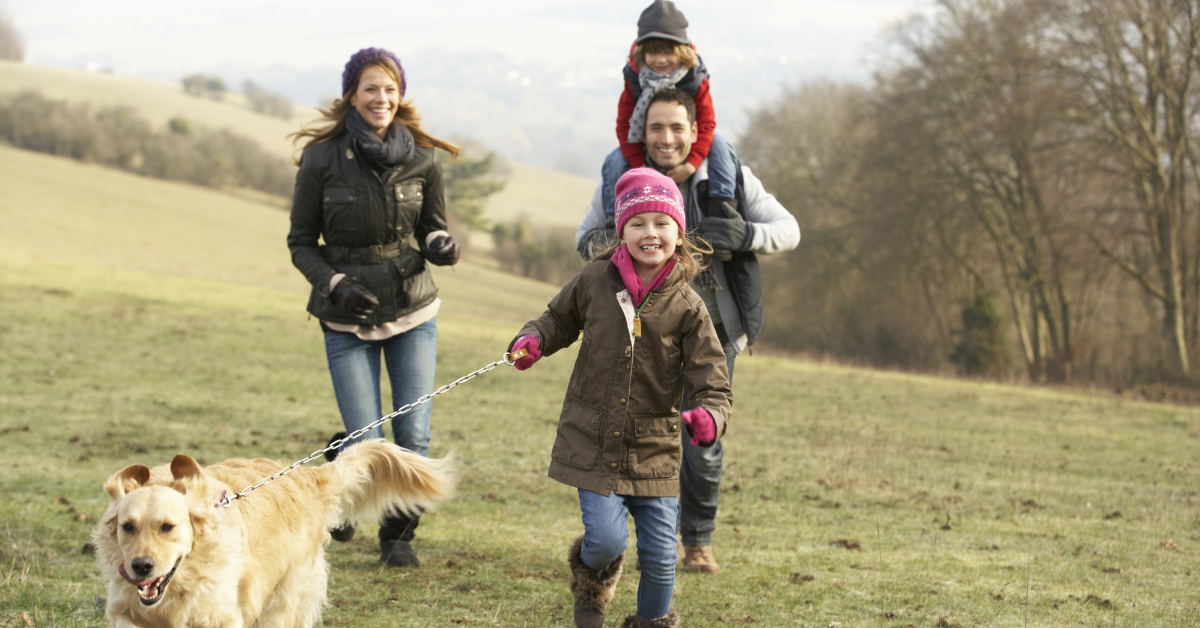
point(508, 359)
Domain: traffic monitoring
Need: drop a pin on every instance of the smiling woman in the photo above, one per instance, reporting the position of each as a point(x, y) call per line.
point(368, 183)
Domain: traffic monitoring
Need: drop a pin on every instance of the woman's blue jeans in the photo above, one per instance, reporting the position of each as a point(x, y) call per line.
point(410, 358)
point(606, 528)
point(354, 366)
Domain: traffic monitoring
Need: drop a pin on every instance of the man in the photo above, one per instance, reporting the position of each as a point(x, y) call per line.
point(738, 229)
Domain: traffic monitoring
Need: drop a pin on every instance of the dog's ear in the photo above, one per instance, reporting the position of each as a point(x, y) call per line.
point(183, 467)
point(126, 480)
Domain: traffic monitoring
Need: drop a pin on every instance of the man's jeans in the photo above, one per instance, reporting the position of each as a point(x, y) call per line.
point(606, 528)
point(722, 178)
point(354, 366)
point(700, 474)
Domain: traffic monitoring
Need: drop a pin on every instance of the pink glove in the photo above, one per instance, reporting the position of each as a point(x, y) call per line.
point(528, 342)
point(701, 426)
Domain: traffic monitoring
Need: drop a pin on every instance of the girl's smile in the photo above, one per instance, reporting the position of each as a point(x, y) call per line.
point(651, 238)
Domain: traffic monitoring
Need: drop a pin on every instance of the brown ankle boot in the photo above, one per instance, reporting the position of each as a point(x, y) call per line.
point(593, 590)
point(699, 559)
point(670, 620)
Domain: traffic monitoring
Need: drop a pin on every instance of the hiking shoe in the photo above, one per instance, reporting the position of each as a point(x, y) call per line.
point(699, 559)
point(398, 554)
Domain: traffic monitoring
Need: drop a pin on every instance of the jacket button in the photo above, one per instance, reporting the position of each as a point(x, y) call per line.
point(622, 401)
point(628, 351)
point(674, 428)
point(616, 433)
point(613, 465)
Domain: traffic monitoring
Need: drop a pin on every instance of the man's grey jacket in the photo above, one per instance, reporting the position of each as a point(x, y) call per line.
point(738, 295)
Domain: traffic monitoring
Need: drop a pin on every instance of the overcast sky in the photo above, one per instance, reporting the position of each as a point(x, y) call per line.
point(166, 39)
point(534, 79)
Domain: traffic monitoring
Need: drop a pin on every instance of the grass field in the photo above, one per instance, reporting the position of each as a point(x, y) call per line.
point(139, 319)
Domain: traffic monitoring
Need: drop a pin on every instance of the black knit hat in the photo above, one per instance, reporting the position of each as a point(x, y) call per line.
point(662, 20)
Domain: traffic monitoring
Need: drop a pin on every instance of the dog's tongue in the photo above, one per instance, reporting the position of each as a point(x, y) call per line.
point(137, 583)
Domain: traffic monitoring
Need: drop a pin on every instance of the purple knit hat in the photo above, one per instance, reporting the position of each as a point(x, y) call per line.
point(360, 59)
point(644, 190)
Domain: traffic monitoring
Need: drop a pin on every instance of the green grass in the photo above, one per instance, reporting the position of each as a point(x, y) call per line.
point(140, 318)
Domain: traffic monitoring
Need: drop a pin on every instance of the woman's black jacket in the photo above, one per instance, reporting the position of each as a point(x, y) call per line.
point(365, 216)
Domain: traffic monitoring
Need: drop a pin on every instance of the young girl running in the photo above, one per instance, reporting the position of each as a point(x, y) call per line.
point(646, 336)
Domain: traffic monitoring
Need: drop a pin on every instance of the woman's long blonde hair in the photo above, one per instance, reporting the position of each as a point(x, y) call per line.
point(406, 114)
point(690, 255)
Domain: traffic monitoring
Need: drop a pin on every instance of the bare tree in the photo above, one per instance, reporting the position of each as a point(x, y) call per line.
point(1136, 63)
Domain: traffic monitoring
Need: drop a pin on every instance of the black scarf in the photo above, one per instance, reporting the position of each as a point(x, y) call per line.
point(397, 148)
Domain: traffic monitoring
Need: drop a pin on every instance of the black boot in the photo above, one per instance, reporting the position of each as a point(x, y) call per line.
point(398, 554)
point(345, 532)
point(396, 533)
point(593, 589)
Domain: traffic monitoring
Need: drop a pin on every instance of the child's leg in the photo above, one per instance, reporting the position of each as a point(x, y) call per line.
point(596, 556)
point(605, 528)
point(654, 520)
point(722, 175)
point(614, 166)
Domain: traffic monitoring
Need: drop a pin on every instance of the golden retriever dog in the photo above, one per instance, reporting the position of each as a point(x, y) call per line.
point(174, 557)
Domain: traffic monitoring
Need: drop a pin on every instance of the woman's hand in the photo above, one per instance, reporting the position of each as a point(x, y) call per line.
point(351, 296)
point(442, 250)
point(528, 342)
point(701, 426)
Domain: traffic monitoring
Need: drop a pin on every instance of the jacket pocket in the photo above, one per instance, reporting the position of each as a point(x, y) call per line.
point(410, 196)
point(577, 445)
point(337, 208)
point(655, 451)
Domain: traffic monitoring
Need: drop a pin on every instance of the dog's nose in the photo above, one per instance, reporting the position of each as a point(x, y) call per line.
point(142, 565)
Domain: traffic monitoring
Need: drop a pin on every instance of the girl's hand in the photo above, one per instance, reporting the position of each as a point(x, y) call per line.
point(528, 342)
point(681, 173)
point(701, 426)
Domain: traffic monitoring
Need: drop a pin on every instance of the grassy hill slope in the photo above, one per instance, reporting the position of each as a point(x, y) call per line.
point(139, 319)
point(545, 196)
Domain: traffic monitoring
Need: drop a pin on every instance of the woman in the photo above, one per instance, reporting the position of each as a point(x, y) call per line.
point(367, 182)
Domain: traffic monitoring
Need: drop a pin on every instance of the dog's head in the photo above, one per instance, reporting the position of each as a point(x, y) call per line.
point(152, 524)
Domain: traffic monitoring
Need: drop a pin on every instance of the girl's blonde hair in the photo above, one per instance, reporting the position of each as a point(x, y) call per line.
point(655, 45)
point(689, 255)
point(406, 114)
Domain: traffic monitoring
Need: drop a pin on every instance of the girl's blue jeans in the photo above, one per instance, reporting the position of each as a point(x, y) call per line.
point(722, 175)
point(354, 365)
point(606, 528)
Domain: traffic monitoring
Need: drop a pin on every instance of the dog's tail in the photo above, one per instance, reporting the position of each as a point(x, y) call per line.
point(379, 477)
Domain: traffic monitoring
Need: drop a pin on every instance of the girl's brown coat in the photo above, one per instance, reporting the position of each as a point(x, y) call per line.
point(620, 428)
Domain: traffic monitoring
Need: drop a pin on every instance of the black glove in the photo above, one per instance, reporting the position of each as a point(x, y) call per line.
point(351, 296)
point(597, 239)
point(442, 251)
point(725, 229)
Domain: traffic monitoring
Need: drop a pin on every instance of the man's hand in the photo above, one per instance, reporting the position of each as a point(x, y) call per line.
point(442, 251)
point(727, 234)
point(351, 296)
point(597, 239)
point(681, 173)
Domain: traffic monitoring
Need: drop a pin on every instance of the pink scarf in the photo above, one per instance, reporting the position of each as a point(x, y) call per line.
point(633, 282)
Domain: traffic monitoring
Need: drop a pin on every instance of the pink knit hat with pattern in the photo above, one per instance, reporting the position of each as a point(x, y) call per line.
point(644, 190)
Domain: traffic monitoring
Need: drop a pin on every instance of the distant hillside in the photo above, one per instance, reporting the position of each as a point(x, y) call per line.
point(61, 212)
point(545, 196)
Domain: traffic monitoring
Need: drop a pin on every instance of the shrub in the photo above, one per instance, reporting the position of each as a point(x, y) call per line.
point(118, 137)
